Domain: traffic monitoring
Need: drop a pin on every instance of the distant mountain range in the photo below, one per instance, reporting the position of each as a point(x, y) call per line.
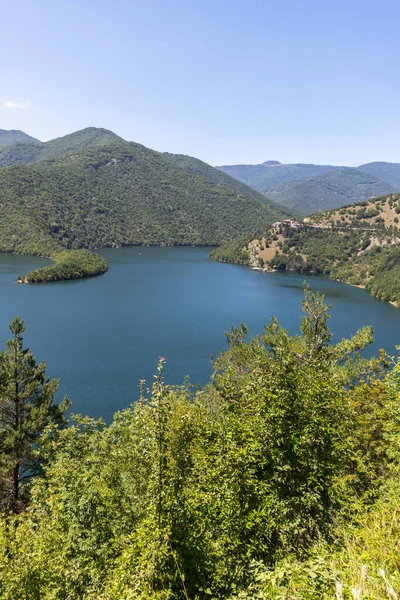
point(307, 188)
point(92, 188)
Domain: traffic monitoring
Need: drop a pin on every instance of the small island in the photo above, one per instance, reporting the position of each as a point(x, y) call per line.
point(69, 264)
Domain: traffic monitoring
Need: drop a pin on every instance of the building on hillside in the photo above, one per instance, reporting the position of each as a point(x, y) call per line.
point(290, 223)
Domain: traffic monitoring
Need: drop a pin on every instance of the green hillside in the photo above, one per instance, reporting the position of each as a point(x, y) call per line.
point(28, 151)
point(330, 190)
point(389, 172)
point(92, 194)
point(268, 175)
point(213, 174)
point(14, 136)
point(307, 188)
point(358, 244)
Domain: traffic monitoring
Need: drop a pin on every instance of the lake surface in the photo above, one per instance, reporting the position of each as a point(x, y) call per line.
point(101, 335)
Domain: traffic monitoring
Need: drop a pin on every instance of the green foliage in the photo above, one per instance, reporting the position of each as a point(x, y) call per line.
point(26, 408)
point(330, 190)
point(69, 264)
point(194, 165)
point(234, 251)
point(323, 247)
point(97, 190)
point(253, 487)
point(271, 175)
point(389, 172)
point(23, 149)
point(14, 136)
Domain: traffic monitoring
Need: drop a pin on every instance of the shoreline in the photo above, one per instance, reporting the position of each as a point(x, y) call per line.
point(360, 286)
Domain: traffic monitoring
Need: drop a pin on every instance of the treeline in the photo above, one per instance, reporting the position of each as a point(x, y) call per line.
point(277, 480)
point(69, 264)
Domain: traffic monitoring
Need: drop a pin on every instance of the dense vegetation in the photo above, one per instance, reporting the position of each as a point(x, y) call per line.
point(305, 189)
point(108, 192)
point(356, 244)
point(194, 165)
point(14, 136)
point(272, 174)
point(24, 150)
point(69, 264)
point(234, 251)
point(330, 190)
point(389, 172)
point(277, 480)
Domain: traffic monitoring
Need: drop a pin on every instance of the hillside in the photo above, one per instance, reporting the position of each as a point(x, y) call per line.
point(98, 190)
point(30, 151)
point(14, 136)
point(306, 188)
point(331, 190)
point(272, 173)
point(358, 244)
point(213, 174)
point(389, 172)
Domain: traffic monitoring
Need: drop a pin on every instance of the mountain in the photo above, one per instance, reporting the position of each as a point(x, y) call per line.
point(94, 189)
point(331, 190)
point(14, 136)
point(213, 174)
point(28, 151)
point(306, 188)
point(389, 172)
point(268, 175)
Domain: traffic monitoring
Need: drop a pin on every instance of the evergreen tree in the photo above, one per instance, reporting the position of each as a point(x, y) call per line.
point(26, 408)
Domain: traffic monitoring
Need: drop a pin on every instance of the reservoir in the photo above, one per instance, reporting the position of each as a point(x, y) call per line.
point(100, 336)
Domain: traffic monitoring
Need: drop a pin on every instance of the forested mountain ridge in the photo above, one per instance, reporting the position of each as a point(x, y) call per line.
point(95, 189)
point(15, 136)
point(272, 173)
point(31, 150)
point(385, 171)
point(358, 244)
point(194, 165)
point(331, 190)
point(306, 188)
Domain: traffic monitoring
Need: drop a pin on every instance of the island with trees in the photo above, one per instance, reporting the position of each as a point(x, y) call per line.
point(69, 264)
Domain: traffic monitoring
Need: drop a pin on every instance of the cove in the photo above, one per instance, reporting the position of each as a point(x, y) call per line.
point(99, 336)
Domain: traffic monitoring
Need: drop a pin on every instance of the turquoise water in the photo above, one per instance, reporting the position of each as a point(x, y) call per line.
point(101, 335)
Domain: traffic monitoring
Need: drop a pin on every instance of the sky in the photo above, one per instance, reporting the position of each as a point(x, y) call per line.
point(227, 81)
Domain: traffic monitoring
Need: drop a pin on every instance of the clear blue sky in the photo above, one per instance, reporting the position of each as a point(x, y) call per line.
point(227, 81)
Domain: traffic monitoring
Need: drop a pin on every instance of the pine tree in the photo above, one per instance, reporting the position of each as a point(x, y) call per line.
point(26, 408)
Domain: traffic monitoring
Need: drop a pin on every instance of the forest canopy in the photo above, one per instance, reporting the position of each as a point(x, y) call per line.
point(69, 264)
point(279, 479)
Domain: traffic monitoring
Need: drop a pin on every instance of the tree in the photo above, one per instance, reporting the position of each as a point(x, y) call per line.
point(26, 408)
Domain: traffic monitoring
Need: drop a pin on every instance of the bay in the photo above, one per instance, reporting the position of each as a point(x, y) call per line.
point(100, 336)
